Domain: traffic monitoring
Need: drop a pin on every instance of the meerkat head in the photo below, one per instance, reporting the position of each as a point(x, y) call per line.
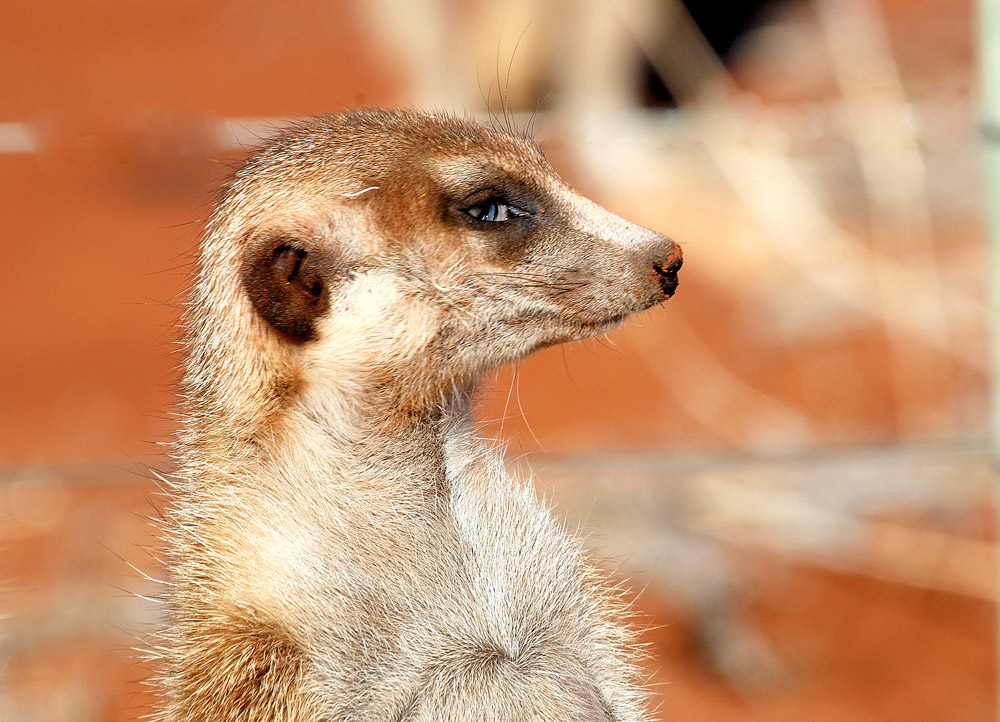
point(418, 251)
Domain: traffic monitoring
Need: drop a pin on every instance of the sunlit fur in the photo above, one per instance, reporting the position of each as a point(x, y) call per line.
point(343, 545)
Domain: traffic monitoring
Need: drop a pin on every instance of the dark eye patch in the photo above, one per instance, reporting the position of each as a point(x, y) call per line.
point(502, 208)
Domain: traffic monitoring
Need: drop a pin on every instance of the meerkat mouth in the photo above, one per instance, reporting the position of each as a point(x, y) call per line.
point(667, 276)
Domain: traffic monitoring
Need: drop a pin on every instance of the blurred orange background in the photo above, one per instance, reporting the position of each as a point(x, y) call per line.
point(789, 460)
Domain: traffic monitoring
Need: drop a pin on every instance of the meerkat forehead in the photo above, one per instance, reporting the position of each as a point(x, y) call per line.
point(361, 151)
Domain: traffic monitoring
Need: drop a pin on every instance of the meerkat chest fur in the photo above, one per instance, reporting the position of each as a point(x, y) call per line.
point(344, 546)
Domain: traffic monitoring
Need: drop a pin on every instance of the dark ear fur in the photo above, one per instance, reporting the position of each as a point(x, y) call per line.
point(288, 282)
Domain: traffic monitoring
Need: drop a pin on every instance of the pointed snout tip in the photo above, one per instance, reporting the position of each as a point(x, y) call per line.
point(666, 270)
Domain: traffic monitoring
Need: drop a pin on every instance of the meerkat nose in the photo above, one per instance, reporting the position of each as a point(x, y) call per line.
point(666, 270)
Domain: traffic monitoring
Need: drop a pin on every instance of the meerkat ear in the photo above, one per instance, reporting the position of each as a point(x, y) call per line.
point(288, 284)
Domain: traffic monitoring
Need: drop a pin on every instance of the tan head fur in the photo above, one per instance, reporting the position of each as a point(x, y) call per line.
point(344, 547)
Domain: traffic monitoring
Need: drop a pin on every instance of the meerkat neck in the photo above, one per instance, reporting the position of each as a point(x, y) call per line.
point(368, 436)
point(392, 436)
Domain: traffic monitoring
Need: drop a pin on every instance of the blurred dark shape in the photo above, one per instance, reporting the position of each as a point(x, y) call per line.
point(725, 25)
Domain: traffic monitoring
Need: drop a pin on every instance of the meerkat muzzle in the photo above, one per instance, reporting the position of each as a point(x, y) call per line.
point(666, 271)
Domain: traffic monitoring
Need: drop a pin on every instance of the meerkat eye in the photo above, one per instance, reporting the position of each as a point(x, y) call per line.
point(494, 210)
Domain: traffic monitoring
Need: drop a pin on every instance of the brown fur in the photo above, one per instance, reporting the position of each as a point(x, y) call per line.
point(343, 545)
point(240, 671)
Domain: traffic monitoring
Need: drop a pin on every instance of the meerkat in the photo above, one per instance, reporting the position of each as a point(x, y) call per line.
point(343, 544)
